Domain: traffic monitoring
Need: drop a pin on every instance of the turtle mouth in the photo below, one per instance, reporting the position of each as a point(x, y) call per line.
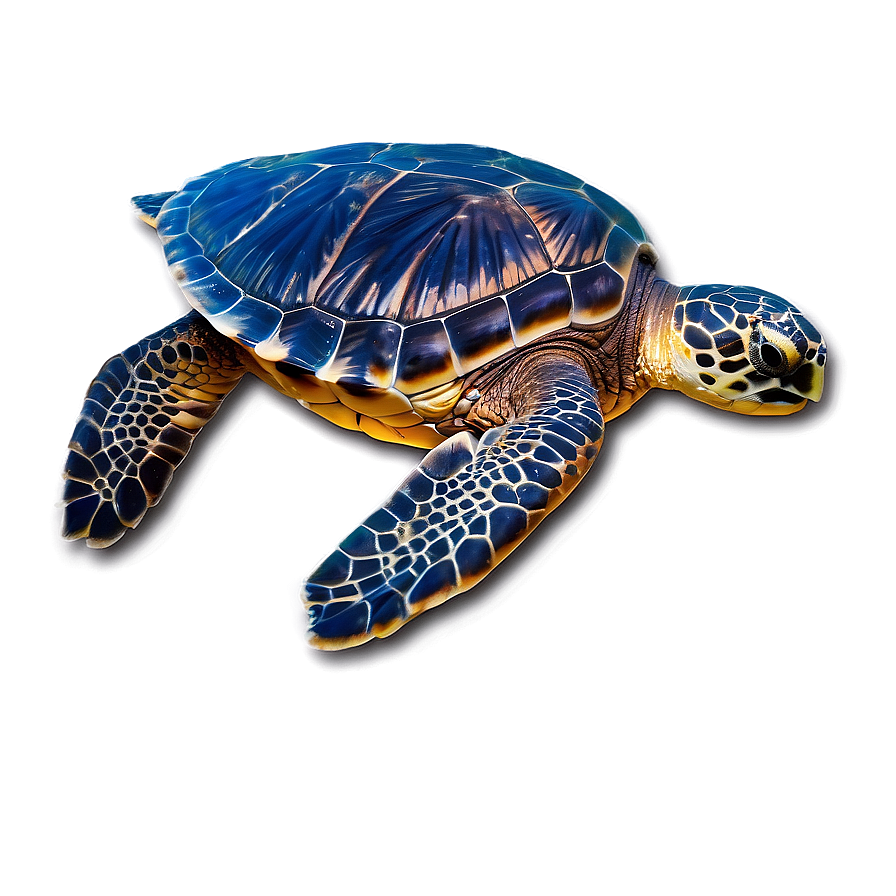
point(780, 396)
point(769, 403)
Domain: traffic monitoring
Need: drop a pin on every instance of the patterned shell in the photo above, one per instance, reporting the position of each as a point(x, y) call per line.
point(397, 265)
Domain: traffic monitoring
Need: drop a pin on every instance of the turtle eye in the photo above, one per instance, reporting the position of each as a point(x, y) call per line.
point(772, 352)
point(771, 355)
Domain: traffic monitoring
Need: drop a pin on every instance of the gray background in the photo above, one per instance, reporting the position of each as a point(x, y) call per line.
point(684, 681)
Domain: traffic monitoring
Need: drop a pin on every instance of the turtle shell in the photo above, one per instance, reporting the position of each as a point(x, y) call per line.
point(397, 265)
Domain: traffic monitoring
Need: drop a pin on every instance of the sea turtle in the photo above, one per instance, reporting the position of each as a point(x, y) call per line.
point(487, 307)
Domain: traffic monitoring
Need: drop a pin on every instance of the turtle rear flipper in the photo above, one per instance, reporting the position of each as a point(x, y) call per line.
point(460, 513)
point(149, 205)
point(140, 416)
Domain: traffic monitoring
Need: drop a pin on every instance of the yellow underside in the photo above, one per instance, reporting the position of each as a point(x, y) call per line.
point(384, 414)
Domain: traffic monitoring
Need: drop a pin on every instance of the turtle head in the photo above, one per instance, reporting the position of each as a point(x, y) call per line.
point(743, 350)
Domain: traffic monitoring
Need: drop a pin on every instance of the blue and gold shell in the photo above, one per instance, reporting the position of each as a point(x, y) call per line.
point(397, 267)
point(462, 299)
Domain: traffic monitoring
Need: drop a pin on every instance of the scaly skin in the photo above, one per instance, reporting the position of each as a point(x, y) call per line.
point(467, 505)
point(140, 416)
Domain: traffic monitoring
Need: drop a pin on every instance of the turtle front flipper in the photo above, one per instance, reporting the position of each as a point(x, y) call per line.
point(140, 416)
point(465, 507)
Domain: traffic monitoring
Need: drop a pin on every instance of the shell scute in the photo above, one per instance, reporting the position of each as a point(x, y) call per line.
point(598, 294)
point(543, 174)
point(217, 296)
point(193, 269)
point(249, 315)
point(617, 212)
point(397, 265)
point(433, 245)
point(490, 174)
point(424, 359)
point(366, 353)
point(306, 337)
point(540, 307)
point(235, 203)
point(621, 251)
point(480, 333)
point(573, 228)
point(181, 247)
point(281, 255)
point(173, 220)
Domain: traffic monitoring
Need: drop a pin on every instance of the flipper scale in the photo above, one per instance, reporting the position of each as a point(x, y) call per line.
point(465, 507)
point(140, 416)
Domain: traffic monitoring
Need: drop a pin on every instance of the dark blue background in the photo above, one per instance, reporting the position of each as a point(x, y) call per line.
point(684, 682)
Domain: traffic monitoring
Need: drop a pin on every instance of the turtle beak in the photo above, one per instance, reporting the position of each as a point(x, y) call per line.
point(808, 380)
